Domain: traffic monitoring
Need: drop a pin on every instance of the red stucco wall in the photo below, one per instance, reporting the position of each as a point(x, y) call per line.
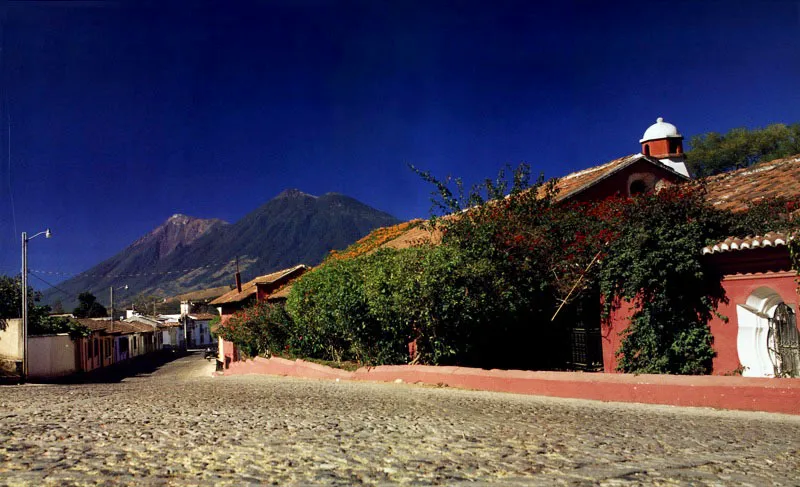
point(612, 334)
point(661, 147)
point(227, 350)
point(618, 183)
point(738, 288)
point(774, 395)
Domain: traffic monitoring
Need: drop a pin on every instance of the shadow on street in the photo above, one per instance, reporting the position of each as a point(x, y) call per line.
point(141, 366)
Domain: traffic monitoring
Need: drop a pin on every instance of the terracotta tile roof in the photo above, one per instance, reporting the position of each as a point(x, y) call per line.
point(249, 288)
point(135, 326)
point(567, 186)
point(414, 237)
point(120, 327)
point(734, 190)
point(171, 324)
point(730, 244)
point(94, 325)
point(146, 320)
point(572, 184)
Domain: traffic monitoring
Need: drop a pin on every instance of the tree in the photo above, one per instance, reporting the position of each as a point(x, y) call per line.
point(151, 304)
point(10, 297)
point(88, 307)
point(11, 302)
point(713, 153)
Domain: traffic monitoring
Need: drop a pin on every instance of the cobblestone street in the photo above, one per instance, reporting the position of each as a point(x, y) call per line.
point(177, 425)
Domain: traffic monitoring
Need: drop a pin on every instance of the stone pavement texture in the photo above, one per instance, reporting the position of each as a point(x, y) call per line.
point(177, 425)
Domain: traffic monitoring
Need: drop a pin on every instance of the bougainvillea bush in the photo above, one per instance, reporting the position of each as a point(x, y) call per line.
point(503, 286)
point(262, 329)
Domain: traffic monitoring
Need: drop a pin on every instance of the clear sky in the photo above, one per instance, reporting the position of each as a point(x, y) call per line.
point(124, 113)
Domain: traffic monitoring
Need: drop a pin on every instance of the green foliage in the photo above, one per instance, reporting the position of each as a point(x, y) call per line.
point(713, 153)
point(369, 308)
point(50, 325)
point(487, 296)
point(38, 320)
point(11, 298)
point(11, 301)
point(88, 307)
point(262, 329)
point(656, 263)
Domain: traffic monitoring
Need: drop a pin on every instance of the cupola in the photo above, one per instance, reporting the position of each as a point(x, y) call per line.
point(663, 142)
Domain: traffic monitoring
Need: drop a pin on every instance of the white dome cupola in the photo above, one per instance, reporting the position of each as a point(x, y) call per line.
point(662, 141)
point(660, 130)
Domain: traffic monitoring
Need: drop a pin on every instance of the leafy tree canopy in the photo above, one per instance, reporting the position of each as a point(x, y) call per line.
point(714, 153)
point(38, 320)
point(88, 307)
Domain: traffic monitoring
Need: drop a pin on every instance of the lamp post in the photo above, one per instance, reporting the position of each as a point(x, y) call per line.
point(25, 240)
point(112, 304)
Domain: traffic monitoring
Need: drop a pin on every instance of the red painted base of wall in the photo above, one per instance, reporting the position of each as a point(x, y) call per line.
point(771, 395)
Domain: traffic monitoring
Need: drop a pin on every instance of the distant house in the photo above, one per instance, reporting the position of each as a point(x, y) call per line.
point(113, 342)
point(197, 327)
point(256, 290)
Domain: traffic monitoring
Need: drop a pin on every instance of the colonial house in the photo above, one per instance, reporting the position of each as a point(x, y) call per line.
point(113, 342)
point(256, 290)
point(760, 337)
point(197, 326)
point(172, 334)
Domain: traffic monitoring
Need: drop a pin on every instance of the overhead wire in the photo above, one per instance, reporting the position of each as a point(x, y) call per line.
point(66, 293)
point(137, 274)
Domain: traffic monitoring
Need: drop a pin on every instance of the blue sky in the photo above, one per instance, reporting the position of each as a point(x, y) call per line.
point(124, 113)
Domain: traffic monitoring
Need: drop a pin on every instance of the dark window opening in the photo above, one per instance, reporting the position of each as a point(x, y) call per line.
point(647, 149)
point(638, 187)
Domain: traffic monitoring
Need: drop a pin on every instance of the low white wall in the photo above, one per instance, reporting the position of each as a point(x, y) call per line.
point(51, 356)
point(11, 340)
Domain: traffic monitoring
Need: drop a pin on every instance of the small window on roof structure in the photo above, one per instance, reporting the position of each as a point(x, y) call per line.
point(637, 187)
point(647, 149)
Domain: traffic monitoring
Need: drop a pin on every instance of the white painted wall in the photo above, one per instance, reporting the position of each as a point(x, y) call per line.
point(51, 356)
point(11, 340)
point(753, 332)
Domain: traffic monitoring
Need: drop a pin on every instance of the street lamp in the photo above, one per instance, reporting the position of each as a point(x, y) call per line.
point(112, 304)
point(25, 239)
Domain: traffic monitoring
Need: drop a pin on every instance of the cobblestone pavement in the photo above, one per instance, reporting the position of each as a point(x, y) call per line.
point(176, 425)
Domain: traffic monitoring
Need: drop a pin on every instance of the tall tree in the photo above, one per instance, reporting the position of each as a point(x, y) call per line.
point(88, 307)
point(11, 301)
point(714, 153)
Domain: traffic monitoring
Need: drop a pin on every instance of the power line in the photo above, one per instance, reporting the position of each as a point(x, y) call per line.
point(139, 274)
point(65, 293)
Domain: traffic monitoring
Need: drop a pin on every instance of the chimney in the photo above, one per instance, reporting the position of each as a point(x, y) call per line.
point(238, 276)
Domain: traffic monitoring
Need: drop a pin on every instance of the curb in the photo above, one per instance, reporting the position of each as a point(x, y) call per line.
point(721, 392)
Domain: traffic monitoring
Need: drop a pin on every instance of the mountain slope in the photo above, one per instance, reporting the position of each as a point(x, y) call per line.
point(186, 254)
point(290, 229)
point(142, 256)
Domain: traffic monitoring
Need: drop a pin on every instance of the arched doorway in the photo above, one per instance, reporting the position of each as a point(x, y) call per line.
point(767, 338)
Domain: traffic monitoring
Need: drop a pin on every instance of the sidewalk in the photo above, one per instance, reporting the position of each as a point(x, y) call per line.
point(723, 392)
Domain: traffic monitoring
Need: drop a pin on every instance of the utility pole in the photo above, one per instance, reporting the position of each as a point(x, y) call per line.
point(112, 305)
point(25, 239)
point(24, 305)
